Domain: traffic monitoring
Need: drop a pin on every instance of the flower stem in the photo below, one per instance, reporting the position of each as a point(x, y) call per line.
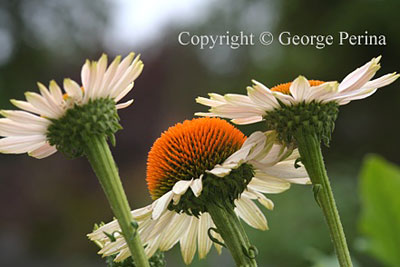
point(101, 159)
point(233, 234)
point(310, 151)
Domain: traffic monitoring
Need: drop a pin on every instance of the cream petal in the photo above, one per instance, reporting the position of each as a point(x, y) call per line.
point(381, 81)
point(152, 246)
point(244, 121)
point(73, 89)
point(222, 171)
point(41, 104)
point(124, 105)
point(51, 101)
point(142, 213)
point(171, 237)
point(127, 78)
point(284, 98)
point(204, 243)
point(161, 225)
point(25, 117)
point(285, 170)
point(181, 187)
point(85, 76)
point(197, 186)
point(11, 128)
point(266, 184)
point(262, 96)
point(161, 204)
point(189, 239)
point(300, 89)
point(360, 76)
point(121, 70)
point(122, 255)
point(100, 70)
point(323, 91)
point(43, 151)
point(209, 102)
point(124, 92)
point(253, 194)
point(21, 144)
point(250, 213)
point(108, 76)
point(56, 92)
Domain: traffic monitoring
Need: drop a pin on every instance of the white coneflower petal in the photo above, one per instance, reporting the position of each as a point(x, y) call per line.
point(180, 223)
point(124, 105)
point(73, 89)
point(108, 77)
point(250, 213)
point(43, 151)
point(21, 144)
point(300, 89)
point(242, 121)
point(11, 128)
point(189, 240)
point(51, 101)
point(161, 204)
point(360, 76)
point(24, 117)
point(267, 184)
point(56, 92)
point(283, 170)
point(204, 243)
point(124, 92)
point(41, 104)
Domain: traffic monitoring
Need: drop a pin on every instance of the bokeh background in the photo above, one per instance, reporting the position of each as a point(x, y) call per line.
point(48, 206)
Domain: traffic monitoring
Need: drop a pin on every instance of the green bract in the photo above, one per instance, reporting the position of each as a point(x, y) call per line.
point(314, 118)
point(69, 133)
point(216, 190)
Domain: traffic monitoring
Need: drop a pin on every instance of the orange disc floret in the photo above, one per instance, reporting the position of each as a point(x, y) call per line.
point(284, 87)
point(187, 150)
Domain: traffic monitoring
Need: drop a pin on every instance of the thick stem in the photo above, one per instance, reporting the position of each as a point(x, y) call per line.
point(101, 159)
point(311, 156)
point(233, 234)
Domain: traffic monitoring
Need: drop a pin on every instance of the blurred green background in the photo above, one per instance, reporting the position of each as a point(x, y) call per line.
point(48, 206)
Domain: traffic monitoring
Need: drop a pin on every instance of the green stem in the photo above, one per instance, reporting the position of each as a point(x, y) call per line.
point(233, 234)
point(311, 156)
point(101, 159)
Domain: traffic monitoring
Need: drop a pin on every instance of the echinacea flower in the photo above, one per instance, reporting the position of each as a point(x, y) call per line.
point(194, 166)
point(78, 123)
point(53, 119)
point(303, 113)
point(322, 98)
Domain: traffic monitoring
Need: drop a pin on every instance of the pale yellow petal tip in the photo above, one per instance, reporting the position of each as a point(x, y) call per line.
point(53, 83)
point(103, 57)
point(39, 84)
point(301, 77)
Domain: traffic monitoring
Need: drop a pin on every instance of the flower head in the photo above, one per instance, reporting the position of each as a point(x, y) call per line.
point(196, 163)
point(55, 120)
point(304, 103)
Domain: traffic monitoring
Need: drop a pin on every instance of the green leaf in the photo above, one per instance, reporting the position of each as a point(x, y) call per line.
point(380, 203)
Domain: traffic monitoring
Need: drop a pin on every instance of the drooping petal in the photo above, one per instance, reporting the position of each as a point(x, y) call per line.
point(250, 213)
point(161, 204)
point(189, 240)
point(204, 243)
point(43, 152)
